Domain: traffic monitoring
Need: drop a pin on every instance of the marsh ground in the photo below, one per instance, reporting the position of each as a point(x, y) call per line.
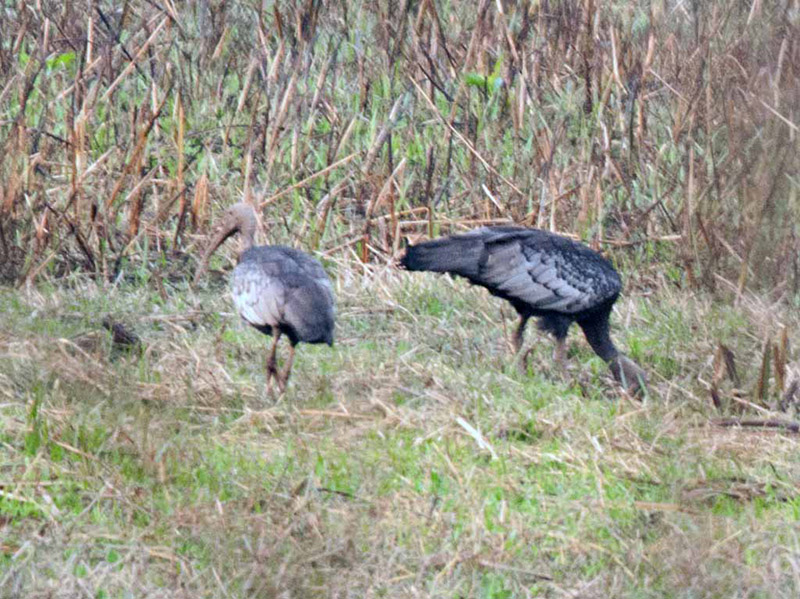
point(411, 459)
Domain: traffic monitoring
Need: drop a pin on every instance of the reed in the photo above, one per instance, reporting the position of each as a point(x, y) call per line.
point(607, 120)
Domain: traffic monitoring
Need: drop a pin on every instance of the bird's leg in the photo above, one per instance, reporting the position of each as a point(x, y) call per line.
point(524, 360)
point(560, 354)
point(272, 364)
point(283, 379)
point(517, 340)
point(519, 334)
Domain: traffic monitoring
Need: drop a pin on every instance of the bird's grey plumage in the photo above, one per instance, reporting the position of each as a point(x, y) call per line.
point(531, 268)
point(280, 287)
point(278, 290)
point(541, 274)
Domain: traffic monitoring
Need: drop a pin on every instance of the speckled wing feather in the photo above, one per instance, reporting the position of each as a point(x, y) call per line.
point(545, 271)
point(529, 267)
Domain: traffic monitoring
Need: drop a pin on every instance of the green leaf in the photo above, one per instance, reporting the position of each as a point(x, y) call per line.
point(65, 59)
point(475, 79)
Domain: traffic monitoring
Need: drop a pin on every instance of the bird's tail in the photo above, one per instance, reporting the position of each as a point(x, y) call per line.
point(459, 255)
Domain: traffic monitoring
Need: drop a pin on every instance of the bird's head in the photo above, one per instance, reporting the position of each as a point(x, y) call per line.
point(628, 374)
point(239, 218)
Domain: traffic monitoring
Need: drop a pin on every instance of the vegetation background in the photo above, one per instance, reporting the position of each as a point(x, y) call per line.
point(140, 455)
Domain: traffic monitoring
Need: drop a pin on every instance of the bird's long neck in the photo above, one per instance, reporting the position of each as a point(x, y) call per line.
point(247, 225)
point(599, 338)
point(241, 218)
point(247, 241)
point(624, 370)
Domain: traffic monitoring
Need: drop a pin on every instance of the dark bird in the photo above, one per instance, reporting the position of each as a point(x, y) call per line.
point(541, 274)
point(276, 289)
point(122, 337)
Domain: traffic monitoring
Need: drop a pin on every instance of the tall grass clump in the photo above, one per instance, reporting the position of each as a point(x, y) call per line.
point(666, 127)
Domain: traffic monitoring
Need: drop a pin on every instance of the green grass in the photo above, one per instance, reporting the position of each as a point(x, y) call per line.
point(413, 458)
point(167, 467)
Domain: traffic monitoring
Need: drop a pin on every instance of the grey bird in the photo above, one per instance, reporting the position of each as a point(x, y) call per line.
point(542, 275)
point(277, 290)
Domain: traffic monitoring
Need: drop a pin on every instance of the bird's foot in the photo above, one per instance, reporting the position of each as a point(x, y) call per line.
point(273, 377)
point(276, 381)
point(272, 367)
point(283, 380)
point(557, 369)
point(524, 360)
point(283, 377)
point(277, 391)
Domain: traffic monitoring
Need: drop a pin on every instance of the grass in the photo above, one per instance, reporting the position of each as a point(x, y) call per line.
point(412, 459)
point(359, 124)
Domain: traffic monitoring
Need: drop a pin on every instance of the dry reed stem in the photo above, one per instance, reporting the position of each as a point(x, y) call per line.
point(684, 121)
point(307, 180)
point(464, 140)
point(132, 64)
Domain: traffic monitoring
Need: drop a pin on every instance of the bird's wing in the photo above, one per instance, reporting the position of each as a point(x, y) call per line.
point(259, 293)
point(545, 278)
point(309, 306)
point(309, 266)
point(309, 311)
point(277, 286)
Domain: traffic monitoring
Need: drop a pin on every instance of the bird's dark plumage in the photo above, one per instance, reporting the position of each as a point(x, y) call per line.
point(542, 275)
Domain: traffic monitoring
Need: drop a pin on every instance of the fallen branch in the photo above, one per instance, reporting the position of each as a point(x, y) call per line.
point(786, 425)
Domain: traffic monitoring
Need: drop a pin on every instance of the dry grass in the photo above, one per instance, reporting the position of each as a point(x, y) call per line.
point(665, 128)
point(412, 459)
